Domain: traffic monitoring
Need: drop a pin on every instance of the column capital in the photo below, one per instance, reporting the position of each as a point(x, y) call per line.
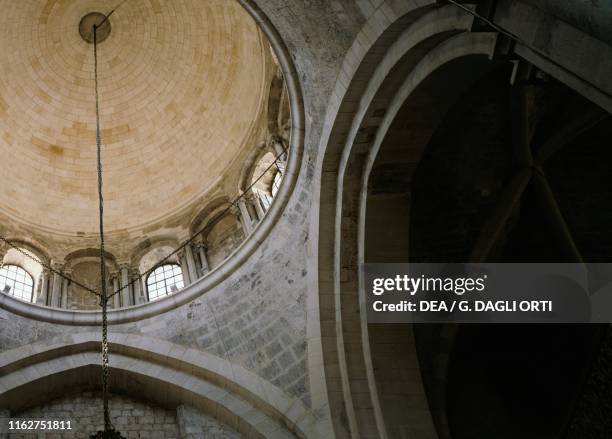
point(198, 241)
point(201, 245)
point(275, 139)
point(250, 198)
point(58, 265)
point(235, 209)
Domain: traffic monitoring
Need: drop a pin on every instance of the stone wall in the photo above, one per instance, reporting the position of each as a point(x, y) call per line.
point(87, 273)
point(133, 418)
point(195, 425)
point(223, 238)
point(257, 317)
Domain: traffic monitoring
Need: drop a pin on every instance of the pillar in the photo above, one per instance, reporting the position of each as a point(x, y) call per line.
point(43, 295)
point(258, 207)
point(117, 297)
point(245, 217)
point(204, 266)
point(65, 287)
point(56, 285)
point(250, 200)
point(139, 296)
point(125, 284)
point(143, 289)
point(182, 260)
point(190, 261)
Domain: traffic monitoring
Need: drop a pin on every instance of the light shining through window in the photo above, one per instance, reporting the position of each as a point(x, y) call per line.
point(17, 282)
point(165, 280)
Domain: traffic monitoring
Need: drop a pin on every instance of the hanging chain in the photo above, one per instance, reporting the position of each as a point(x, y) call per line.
point(103, 295)
point(193, 237)
point(278, 158)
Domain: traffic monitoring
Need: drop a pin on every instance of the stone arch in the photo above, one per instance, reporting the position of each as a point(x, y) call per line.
point(148, 259)
point(146, 247)
point(462, 57)
point(158, 250)
point(275, 102)
point(400, 51)
point(33, 246)
point(36, 270)
point(207, 214)
point(250, 167)
point(261, 178)
point(84, 265)
point(87, 255)
point(427, 41)
point(15, 256)
point(221, 231)
point(223, 235)
point(162, 372)
point(247, 249)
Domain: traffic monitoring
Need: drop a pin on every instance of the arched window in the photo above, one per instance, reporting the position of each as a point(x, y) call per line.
point(17, 282)
point(266, 196)
point(267, 177)
point(278, 177)
point(165, 280)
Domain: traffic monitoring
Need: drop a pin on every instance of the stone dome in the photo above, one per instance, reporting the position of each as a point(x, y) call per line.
point(182, 85)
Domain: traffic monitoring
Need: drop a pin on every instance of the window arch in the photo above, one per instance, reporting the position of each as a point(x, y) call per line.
point(17, 282)
point(164, 280)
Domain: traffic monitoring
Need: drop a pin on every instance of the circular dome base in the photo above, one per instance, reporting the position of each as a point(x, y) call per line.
point(87, 24)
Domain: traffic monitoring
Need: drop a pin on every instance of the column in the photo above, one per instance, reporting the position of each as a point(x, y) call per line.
point(204, 266)
point(245, 217)
point(65, 286)
point(117, 297)
point(56, 285)
point(251, 200)
point(182, 260)
point(139, 296)
point(125, 284)
point(42, 297)
point(190, 260)
point(143, 289)
point(278, 145)
point(258, 207)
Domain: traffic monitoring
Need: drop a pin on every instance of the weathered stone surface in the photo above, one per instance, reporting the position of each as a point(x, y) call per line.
point(134, 419)
point(194, 425)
